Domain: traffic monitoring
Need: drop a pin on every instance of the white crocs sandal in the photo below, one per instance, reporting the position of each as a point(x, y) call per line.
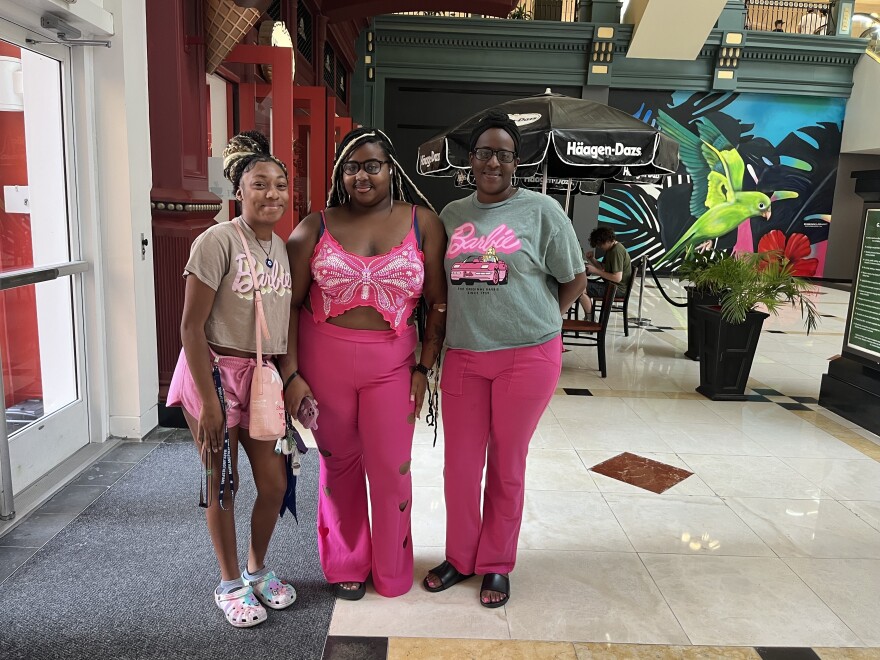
point(272, 591)
point(241, 608)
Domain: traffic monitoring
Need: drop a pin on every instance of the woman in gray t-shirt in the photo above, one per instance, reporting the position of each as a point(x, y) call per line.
point(514, 265)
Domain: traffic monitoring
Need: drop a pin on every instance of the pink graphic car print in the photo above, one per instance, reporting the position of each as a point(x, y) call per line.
point(475, 269)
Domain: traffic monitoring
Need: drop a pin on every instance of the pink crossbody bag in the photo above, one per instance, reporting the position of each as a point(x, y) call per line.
point(267, 398)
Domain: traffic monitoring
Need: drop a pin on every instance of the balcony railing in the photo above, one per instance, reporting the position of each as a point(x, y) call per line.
point(790, 16)
point(538, 10)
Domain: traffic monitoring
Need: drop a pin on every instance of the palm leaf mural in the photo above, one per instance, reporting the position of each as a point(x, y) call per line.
point(797, 173)
point(631, 211)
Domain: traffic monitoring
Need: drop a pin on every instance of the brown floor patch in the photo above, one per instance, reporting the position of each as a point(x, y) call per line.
point(642, 472)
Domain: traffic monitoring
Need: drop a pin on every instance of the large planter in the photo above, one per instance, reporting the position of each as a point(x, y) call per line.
point(696, 297)
point(727, 352)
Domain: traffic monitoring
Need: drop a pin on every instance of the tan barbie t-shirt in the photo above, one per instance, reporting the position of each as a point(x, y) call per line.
point(218, 259)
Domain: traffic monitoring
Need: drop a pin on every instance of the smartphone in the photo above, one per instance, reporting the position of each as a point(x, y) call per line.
point(308, 413)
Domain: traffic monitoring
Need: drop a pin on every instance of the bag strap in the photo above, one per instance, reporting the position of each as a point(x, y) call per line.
point(261, 327)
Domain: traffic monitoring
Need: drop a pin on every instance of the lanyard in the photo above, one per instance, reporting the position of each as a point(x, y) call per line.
point(227, 454)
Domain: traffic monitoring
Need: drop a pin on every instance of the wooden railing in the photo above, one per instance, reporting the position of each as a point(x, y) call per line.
point(790, 16)
point(539, 10)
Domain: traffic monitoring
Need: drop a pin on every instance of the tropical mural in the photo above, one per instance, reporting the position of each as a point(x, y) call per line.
point(757, 174)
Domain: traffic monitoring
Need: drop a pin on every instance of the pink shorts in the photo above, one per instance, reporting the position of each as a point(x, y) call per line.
point(235, 374)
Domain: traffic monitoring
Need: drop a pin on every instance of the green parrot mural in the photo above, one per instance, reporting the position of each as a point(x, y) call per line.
point(716, 170)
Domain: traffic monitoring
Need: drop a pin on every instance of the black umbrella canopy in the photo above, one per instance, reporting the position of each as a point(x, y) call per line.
point(573, 138)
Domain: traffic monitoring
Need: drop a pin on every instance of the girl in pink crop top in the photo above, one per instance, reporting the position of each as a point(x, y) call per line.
point(361, 365)
point(391, 283)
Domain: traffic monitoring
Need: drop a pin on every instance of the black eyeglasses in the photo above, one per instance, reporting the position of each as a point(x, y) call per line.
point(504, 156)
point(372, 166)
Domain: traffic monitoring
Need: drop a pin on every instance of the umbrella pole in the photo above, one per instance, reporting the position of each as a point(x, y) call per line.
point(642, 322)
point(567, 195)
point(544, 180)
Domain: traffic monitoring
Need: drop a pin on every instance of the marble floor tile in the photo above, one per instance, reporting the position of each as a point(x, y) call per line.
point(626, 436)
point(642, 472)
point(427, 465)
point(802, 442)
point(808, 528)
point(750, 476)
point(844, 480)
point(745, 601)
point(588, 596)
point(651, 652)
point(554, 520)
point(718, 439)
point(400, 648)
point(866, 510)
point(550, 437)
point(428, 516)
point(847, 654)
point(455, 612)
point(849, 587)
point(557, 469)
point(685, 525)
point(670, 412)
point(590, 410)
point(693, 485)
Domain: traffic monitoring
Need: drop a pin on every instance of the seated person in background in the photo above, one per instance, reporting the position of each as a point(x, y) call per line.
point(615, 266)
point(778, 25)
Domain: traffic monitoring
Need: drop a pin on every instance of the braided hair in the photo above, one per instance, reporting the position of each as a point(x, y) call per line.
point(495, 119)
point(243, 152)
point(402, 187)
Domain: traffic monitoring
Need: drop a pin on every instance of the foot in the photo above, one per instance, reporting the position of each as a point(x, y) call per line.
point(443, 576)
point(495, 590)
point(350, 590)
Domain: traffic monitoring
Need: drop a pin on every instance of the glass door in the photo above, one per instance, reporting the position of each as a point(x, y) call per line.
point(43, 394)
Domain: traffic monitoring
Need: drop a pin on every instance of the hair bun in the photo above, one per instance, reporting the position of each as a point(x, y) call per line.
point(249, 142)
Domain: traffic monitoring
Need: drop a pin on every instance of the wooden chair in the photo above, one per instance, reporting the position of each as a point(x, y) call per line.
point(590, 333)
point(621, 301)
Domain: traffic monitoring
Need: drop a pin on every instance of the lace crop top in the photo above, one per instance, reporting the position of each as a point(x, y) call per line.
point(391, 283)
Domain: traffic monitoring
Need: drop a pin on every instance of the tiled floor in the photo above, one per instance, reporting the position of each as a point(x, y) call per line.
point(765, 544)
point(773, 540)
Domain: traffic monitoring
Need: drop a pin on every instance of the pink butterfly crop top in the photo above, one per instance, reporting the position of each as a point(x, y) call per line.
point(391, 283)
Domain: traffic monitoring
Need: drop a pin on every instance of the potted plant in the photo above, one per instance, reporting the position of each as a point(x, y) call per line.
point(750, 287)
point(520, 13)
point(696, 262)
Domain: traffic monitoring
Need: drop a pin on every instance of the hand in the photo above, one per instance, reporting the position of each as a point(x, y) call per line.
point(588, 255)
point(294, 394)
point(591, 269)
point(418, 385)
point(210, 429)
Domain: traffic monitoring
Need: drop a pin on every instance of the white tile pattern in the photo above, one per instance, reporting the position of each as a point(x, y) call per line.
point(774, 540)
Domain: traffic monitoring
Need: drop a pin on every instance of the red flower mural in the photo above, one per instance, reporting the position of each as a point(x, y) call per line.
point(795, 249)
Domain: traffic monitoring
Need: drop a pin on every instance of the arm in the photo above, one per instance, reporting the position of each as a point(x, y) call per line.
point(569, 291)
point(300, 247)
point(434, 247)
point(604, 274)
point(197, 304)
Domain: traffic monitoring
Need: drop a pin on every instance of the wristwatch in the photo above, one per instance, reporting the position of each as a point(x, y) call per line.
point(422, 369)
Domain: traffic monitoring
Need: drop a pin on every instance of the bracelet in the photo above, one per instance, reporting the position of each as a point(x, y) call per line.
point(422, 369)
point(289, 380)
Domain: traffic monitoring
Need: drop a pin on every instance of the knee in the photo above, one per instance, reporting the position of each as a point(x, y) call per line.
point(272, 489)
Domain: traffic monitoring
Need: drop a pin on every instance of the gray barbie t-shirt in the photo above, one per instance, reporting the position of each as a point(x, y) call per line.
point(504, 263)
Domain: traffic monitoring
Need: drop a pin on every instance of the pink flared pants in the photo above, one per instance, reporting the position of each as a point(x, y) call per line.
point(491, 405)
point(361, 380)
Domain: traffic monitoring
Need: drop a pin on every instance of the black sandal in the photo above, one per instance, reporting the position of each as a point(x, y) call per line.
point(448, 576)
point(495, 582)
point(350, 594)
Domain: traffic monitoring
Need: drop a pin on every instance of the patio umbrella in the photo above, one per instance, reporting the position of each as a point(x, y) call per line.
point(567, 187)
point(562, 138)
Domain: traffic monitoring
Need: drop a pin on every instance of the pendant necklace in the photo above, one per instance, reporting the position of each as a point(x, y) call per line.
point(269, 262)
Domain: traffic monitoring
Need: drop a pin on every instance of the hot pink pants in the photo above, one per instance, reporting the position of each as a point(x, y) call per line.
point(361, 380)
point(491, 401)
